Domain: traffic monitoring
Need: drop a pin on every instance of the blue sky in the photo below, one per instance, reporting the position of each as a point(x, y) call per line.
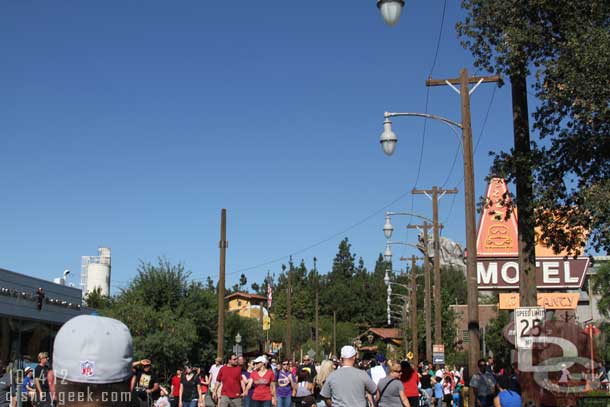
point(131, 124)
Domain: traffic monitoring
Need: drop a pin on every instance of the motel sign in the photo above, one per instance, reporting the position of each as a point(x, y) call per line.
point(550, 273)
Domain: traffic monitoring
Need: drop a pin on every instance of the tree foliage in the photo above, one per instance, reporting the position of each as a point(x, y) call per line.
point(565, 46)
point(495, 340)
point(171, 319)
point(601, 287)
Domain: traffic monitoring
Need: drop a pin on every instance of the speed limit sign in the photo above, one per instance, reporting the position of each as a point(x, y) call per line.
point(528, 325)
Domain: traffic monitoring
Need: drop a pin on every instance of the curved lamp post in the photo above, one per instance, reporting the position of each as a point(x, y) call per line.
point(388, 138)
point(391, 10)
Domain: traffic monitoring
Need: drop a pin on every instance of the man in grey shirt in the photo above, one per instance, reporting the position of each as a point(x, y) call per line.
point(348, 386)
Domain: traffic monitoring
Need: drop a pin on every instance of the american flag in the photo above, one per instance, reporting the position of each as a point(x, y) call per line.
point(269, 295)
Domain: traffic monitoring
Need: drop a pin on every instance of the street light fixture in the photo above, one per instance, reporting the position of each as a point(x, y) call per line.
point(390, 10)
point(388, 138)
point(238, 338)
point(388, 142)
point(387, 255)
point(388, 229)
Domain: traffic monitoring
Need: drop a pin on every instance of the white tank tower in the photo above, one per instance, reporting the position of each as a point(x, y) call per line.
point(95, 272)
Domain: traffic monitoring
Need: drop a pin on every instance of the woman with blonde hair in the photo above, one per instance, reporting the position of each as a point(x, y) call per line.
point(326, 368)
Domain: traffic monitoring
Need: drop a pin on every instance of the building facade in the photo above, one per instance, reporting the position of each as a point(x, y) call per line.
point(31, 312)
point(246, 305)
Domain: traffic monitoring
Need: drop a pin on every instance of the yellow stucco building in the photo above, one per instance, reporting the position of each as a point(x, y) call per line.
point(246, 305)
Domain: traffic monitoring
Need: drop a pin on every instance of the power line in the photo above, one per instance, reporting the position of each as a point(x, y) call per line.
point(320, 242)
point(423, 136)
point(358, 223)
point(460, 182)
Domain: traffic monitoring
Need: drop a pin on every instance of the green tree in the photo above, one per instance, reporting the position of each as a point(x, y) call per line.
point(243, 280)
point(95, 299)
point(601, 287)
point(453, 291)
point(337, 294)
point(565, 46)
point(171, 319)
point(495, 340)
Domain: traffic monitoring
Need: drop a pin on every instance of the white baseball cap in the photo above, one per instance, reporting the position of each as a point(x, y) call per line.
point(347, 352)
point(260, 359)
point(93, 349)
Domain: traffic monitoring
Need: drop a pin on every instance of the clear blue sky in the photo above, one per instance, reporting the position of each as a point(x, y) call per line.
point(131, 124)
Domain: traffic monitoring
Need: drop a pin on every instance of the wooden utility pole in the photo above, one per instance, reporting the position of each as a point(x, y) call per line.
point(413, 316)
point(317, 288)
point(223, 244)
point(469, 206)
point(404, 310)
point(289, 312)
point(427, 294)
point(434, 195)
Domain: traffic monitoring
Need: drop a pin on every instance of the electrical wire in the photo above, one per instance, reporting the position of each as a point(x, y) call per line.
point(419, 167)
point(320, 242)
point(426, 104)
point(461, 181)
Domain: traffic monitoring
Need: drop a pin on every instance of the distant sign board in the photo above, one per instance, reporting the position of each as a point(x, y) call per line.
point(528, 324)
point(560, 301)
point(551, 272)
point(266, 323)
point(438, 354)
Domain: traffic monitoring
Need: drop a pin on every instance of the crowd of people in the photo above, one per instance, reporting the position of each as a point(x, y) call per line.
point(93, 367)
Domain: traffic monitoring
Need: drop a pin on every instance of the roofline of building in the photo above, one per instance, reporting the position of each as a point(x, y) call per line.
point(39, 279)
point(246, 295)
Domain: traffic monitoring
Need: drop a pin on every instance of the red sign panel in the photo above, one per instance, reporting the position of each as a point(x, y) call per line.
point(551, 272)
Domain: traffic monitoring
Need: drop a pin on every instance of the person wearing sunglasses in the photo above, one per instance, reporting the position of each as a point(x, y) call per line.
point(230, 378)
point(263, 382)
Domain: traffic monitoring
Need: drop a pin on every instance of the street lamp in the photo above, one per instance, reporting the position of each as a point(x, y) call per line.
point(390, 10)
point(388, 229)
point(388, 142)
point(387, 255)
point(237, 349)
point(388, 138)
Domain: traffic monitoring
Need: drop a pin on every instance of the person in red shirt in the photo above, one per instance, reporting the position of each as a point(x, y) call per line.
point(410, 379)
point(175, 387)
point(230, 378)
point(263, 381)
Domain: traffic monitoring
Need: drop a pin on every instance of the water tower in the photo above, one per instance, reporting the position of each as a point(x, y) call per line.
point(95, 272)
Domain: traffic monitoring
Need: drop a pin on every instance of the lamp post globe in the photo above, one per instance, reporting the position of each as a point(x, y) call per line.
point(388, 229)
point(238, 338)
point(387, 255)
point(386, 279)
point(388, 139)
point(390, 10)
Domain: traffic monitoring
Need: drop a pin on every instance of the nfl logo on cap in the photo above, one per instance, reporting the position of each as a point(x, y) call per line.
point(87, 368)
point(93, 349)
